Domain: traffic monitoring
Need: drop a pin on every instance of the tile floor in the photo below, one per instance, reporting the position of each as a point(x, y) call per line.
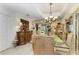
point(23, 50)
point(20, 50)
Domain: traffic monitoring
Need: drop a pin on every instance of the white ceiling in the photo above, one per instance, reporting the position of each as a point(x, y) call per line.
point(40, 10)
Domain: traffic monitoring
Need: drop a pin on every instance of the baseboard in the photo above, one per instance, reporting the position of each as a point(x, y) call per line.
point(6, 49)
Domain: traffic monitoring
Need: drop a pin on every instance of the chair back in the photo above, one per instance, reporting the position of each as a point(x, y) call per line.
point(69, 39)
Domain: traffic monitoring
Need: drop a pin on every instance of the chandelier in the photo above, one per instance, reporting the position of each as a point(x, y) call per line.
point(50, 18)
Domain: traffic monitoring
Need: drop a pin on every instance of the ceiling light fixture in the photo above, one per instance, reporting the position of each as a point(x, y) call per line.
point(50, 17)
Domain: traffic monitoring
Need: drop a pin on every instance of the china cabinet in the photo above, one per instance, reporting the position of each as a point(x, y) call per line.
point(24, 35)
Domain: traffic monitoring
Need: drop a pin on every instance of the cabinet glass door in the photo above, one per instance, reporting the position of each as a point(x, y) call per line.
point(76, 32)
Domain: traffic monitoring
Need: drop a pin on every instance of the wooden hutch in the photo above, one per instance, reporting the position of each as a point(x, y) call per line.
point(24, 35)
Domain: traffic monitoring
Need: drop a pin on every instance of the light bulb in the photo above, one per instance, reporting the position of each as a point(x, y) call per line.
point(46, 17)
point(55, 17)
point(50, 16)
